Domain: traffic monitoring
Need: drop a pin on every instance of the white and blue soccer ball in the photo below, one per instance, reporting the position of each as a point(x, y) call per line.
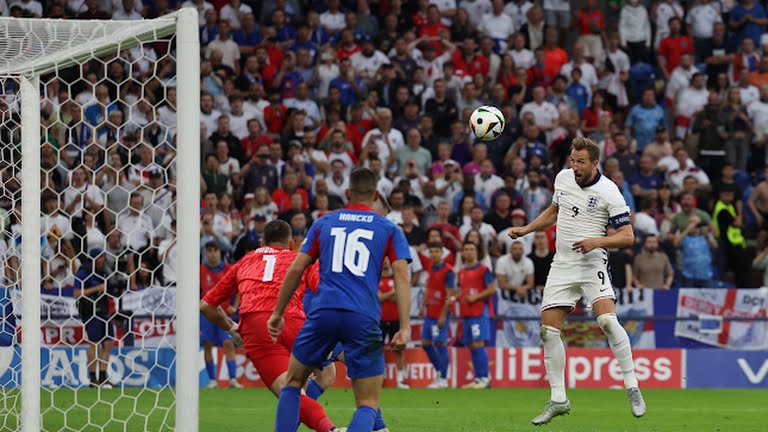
point(487, 123)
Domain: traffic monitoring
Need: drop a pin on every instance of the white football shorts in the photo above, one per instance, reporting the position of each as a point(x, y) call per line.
point(566, 285)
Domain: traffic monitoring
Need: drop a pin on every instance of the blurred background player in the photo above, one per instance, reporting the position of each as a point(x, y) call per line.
point(93, 305)
point(475, 288)
point(585, 202)
point(350, 244)
point(390, 324)
point(257, 278)
point(440, 295)
point(210, 335)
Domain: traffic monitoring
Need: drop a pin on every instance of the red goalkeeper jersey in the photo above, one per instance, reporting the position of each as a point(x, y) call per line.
point(258, 277)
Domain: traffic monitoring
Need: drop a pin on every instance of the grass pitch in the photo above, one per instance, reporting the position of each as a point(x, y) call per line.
point(417, 410)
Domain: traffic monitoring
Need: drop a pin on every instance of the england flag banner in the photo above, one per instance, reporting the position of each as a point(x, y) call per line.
point(712, 305)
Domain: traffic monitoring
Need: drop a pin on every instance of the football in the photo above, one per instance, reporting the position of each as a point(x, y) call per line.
point(487, 123)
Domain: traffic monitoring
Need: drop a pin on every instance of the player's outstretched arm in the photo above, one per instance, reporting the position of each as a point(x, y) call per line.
point(219, 318)
point(403, 293)
point(291, 282)
point(546, 219)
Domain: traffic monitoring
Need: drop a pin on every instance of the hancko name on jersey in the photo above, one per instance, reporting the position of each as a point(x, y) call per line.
point(351, 217)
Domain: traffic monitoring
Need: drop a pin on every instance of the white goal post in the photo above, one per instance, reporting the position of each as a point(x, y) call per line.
point(31, 48)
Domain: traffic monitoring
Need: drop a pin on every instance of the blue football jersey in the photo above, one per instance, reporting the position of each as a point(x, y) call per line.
point(351, 244)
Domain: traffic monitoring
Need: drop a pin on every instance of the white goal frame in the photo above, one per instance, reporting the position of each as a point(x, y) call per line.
point(16, 63)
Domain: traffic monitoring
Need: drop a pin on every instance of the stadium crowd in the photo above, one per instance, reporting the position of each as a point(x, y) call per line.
point(295, 94)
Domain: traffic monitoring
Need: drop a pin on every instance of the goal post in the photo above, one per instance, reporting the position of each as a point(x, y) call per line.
point(35, 48)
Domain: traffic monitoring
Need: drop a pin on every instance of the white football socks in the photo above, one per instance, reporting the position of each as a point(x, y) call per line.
point(622, 349)
point(554, 361)
point(400, 375)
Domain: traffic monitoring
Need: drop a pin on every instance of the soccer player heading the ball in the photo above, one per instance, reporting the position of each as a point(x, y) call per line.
point(584, 203)
point(351, 244)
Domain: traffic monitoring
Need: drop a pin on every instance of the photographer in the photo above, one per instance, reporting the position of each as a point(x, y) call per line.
point(696, 243)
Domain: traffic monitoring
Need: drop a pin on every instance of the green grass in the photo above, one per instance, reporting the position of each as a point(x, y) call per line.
point(497, 410)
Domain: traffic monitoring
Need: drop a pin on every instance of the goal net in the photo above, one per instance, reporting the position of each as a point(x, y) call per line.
point(99, 331)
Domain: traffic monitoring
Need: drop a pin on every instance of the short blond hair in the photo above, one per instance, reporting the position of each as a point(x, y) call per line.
point(582, 143)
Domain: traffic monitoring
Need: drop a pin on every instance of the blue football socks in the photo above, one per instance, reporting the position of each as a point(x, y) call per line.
point(362, 421)
point(210, 367)
point(314, 390)
point(232, 369)
point(480, 362)
point(287, 418)
point(442, 360)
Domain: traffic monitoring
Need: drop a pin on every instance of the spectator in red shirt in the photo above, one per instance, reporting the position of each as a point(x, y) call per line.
point(357, 126)
point(419, 18)
point(282, 195)
point(746, 58)
point(432, 27)
point(554, 56)
point(274, 114)
point(265, 67)
point(254, 139)
point(672, 47)
point(590, 24)
point(274, 49)
point(467, 61)
point(348, 46)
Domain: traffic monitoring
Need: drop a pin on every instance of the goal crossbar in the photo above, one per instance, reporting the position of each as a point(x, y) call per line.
point(40, 46)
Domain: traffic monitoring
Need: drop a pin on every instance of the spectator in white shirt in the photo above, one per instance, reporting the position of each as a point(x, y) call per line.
point(127, 12)
point(167, 253)
point(518, 10)
point(689, 101)
point(233, 11)
point(32, 6)
point(81, 194)
point(685, 169)
point(209, 116)
point(498, 25)
point(228, 165)
point(546, 116)
point(635, 30)
point(486, 182)
point(701, 20)
point(302, 102)
point(522, 56)
point(135, 225)
point(758, 114)
point(645, 223)
point(333, 19)
point(202, 7)
point(588, 72)
point(238, 117)
point(476, 9)
point(514, 272)
point(230, 51)
point(476, 223)
point(680, 77)
point(749, 93)
point(52, 221)
point(368, 60)
point(387, 139)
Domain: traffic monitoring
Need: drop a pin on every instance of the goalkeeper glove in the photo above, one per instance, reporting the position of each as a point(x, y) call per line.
point(235, 335)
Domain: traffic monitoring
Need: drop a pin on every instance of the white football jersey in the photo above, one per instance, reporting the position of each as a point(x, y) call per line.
point(584, 213)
